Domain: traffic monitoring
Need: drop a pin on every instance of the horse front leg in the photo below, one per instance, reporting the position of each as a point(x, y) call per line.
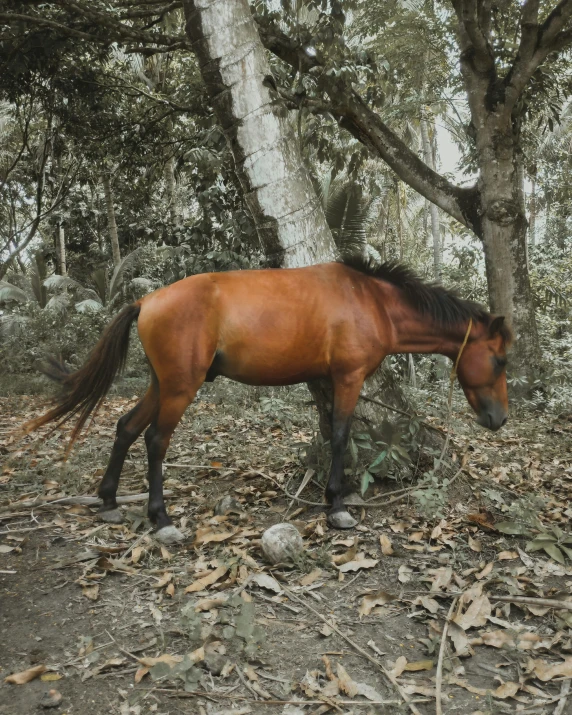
point(346, 393)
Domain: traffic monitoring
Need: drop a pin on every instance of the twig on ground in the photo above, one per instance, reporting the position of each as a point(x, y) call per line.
point(225, 696)
point(388, 675)
point(439, 675)
point(529, 601)
point(79, 500)
point(182, 465)
point(133, 545)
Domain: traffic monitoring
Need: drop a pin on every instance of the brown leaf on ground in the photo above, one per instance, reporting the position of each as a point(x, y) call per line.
point(483, 519)
point(359, 563)
point(547, 671)
point(460, 640)
point(349, 555)
point(523, 641)
point(485, 572)
point(206, 535)
point(386, 545)
point(91, 592)
point(371, 600)
point(416, 665)
point(25, 676)
point(311, 577)
point(399, 667)
point(506, 690)
point(346, 684)
point(207, 580)
point(476, 614)
point(507, 555)
point(475, 545)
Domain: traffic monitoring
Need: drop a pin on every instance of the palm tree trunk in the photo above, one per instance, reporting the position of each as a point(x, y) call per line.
point(112, 224)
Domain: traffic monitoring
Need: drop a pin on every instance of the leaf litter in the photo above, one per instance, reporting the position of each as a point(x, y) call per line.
point(220, 600)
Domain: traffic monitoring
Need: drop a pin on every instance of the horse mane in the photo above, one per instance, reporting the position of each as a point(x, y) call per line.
point(441, 304)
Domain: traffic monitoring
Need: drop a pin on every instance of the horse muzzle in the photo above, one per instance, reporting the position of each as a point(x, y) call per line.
point(492, 417)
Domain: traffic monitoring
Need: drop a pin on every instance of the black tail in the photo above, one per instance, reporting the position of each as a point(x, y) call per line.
point(83, 391)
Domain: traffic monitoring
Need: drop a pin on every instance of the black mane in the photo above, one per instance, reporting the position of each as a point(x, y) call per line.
point(430, 299)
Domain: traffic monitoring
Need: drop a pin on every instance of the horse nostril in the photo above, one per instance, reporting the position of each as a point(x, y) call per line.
point(503, 423)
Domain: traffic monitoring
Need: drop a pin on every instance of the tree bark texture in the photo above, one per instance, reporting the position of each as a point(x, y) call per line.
point(61, 249)
point(287, 213)
point(433, 210)
point(111, 222)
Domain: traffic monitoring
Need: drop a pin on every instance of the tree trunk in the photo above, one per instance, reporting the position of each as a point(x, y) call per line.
point(287, 213)
point(532, 214)
point(288, 216)
point(61, 249)
point(113, 235)
point(504, 238)
point(433, 210)
point(170, 185)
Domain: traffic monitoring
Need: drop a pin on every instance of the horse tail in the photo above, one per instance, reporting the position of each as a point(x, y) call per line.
point(83, 391)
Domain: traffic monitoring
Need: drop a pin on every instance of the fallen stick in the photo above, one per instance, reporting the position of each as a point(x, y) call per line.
point(392, 679)
point(81, 501)
point(442, 647)
point(202, 693)
point(401, 412)
point(182, 465)
point(530, 601)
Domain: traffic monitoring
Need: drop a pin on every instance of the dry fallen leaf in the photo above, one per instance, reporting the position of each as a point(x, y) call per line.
point(476, 614)
point(311, 577)
point(371, 600)
point(359, 563)
point(506, 690)
point(507, 555)
point(348, 556)
point(419, 665)
point(399, 667)
point(485, 572)
point(268, 582)
point(25, 676)
point(386, 545)
point(475, 545)
point(5, 549)
point(206, 535)
point(91, 592)
point(547, 671)
point(346, 684)
point(404, 573)
point(207, 580)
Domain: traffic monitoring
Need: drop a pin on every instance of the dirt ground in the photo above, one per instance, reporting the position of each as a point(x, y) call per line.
point(123, 625)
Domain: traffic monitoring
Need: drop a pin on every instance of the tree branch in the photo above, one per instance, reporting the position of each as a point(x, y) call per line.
point(536, 44)
point(472, 15)
point(364, 124)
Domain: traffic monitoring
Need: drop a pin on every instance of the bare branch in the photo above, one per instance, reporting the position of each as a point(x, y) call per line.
point(472, 15)
point(364, 124)
point(537, 43)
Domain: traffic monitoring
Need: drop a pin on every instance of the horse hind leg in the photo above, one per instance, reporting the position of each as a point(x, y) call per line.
point(129, 427)
point(173, 404)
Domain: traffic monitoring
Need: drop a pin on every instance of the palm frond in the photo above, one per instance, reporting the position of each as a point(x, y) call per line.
point(12, 325)
point(88, 306)
point(127, 264)
point(58, 303)
point(9, 292)
point(99, 278)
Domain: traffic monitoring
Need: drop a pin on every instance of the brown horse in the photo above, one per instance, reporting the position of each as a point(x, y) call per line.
point(278, 327)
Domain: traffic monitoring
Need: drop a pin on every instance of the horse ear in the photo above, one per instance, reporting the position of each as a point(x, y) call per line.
point(496, 325)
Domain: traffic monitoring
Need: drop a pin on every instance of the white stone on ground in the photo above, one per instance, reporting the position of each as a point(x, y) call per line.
point(282, 543)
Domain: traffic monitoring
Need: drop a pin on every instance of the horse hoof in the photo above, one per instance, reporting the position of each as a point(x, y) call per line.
point(169, 535)
point(342, 520)
point(110, 516)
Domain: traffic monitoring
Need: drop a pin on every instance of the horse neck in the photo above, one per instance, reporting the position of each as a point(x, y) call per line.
point(418, 333)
